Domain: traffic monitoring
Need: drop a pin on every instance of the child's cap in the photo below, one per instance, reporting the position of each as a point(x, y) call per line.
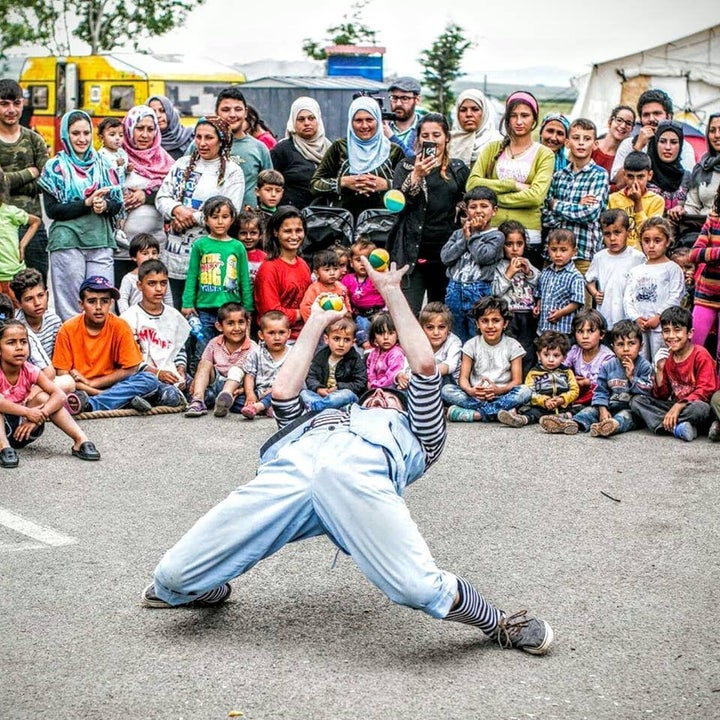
point(99, 284)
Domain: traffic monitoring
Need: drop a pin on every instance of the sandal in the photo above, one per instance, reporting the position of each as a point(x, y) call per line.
point(9, 458)
point(86, 451)
point(249, 412)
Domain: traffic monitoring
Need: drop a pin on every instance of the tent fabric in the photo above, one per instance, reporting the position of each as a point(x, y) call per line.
point(688, 69)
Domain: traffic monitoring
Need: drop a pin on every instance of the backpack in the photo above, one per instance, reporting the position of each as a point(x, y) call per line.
point(326, 226)
point(375, 225)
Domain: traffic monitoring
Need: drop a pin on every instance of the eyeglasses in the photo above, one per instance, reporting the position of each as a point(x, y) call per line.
point(402, 98)
point(622, 121)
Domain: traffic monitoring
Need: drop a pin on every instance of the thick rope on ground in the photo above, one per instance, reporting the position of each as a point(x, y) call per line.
point(127, 412)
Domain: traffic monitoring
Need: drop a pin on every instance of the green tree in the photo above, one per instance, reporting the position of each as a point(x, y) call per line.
point(352, 31)
point(442, 67)
point(102, 24)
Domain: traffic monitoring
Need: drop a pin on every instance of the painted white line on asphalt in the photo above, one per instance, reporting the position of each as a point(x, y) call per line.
point(37, 532)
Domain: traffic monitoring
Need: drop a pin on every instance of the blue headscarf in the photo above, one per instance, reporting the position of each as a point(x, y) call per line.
point(561, 160)
point(366, 155)
point(69, 177)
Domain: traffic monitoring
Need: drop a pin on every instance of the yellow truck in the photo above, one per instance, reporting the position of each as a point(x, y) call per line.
point(110, 84)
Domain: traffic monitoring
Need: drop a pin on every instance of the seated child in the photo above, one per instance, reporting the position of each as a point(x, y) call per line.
point(143, 246)
point(386, 361)
point(436, 321)
point(606, 278)
point(218, 270)
point(31, 293)
point(635, 199)
point(12, 252)
point(514, 281)
point(219, 373)
point(471, 256)
point(263, 364)
point(588, 354)
point(160, 331)
point(343, 259)
point(491, 369)
point(683, 385)
point(269, 191)
point(551, 382)
point(365, 300)
point(97, 349)
point(327, 270)
point(655, 285)
point(250, 232)
point(619, 380)
point(561, 288)
point(337, 375)
point(28, 398)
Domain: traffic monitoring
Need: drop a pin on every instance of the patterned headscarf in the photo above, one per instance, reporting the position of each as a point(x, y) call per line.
point(175, 136)
point(69, 177)
point(561, 160)
point(314, 148)
point(366, 155)
point(226, 140)
point(154, 163)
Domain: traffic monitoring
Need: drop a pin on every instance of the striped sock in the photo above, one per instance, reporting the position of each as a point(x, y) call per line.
point(473, 609)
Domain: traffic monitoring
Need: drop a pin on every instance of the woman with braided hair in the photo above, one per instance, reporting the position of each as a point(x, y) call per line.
point(192, 180)
point(518, 170)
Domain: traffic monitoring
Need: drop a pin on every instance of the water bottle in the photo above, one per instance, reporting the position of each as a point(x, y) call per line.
point(196, 328)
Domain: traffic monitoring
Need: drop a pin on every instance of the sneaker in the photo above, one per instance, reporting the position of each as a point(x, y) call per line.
point(512, 418)
point(524, 633)
point(455, 413)
point(604, 428)
point(249, 412)
point(140, 404)
point(269, 412)
point(196, 408)
point(213, 597)
point(223, 403)
point(170, 396)
point(558, 425)
point(78, 402)
point(685, 431)
point(714, 431)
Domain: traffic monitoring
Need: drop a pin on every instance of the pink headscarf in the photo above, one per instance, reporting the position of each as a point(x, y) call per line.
point(153, 163)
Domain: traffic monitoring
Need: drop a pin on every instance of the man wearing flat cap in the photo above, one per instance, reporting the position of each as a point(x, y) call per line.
point(404, 99)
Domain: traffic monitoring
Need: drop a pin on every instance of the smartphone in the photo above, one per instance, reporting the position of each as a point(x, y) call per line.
point(429, 149)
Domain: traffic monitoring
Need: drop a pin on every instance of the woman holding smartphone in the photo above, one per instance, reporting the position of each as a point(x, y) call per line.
point(81, 193)
point(433, 185)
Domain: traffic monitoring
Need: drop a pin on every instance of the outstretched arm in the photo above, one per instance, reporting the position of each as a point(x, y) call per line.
point(294, 370)
point(411, 336)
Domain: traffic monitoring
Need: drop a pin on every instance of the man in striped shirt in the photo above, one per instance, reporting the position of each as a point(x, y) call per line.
point(342, 472)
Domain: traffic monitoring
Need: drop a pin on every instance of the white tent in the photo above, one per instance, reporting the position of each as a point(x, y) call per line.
point(687, 69)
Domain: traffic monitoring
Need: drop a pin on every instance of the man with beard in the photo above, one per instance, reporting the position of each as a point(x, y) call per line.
point(653, 106)
point(404, 98)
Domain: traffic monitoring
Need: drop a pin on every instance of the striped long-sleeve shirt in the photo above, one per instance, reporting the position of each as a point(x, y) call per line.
point(424, 413)
point(706, 251)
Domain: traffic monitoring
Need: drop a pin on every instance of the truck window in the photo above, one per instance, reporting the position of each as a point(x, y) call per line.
point(122, 97)
point(39, 97)
point(193, 99)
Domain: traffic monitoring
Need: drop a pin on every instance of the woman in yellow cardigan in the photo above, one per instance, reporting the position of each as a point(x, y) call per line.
point(518, 170)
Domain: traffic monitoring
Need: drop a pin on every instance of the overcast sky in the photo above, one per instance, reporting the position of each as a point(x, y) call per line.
point(558, 34)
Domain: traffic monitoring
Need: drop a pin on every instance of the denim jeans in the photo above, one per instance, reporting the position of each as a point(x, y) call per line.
point(328, 482)
point(460, 298)
point(121, 393)
point(336, 399)
point(517, 396)
point(589, 415)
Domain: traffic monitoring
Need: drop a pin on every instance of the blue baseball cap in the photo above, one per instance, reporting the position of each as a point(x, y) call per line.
point(98, 283)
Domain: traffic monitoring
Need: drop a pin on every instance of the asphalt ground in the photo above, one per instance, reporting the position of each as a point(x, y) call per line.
point(630, 585)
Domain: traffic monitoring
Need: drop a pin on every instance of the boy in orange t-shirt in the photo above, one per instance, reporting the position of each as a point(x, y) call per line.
point(98, 350)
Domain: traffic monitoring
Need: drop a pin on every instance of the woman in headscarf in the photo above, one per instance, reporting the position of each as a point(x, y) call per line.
point(299, 154)
point(473, 126)
point(669, 178)
point(81, 194)
point(149, 164)
point(357, 170)
point(554, 130)
point(191, 180)
point(705, 177)
point(176, 138)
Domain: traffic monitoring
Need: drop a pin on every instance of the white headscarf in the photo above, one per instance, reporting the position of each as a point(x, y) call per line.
point(467, 145)
point(366, 155)
point(314, 148)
